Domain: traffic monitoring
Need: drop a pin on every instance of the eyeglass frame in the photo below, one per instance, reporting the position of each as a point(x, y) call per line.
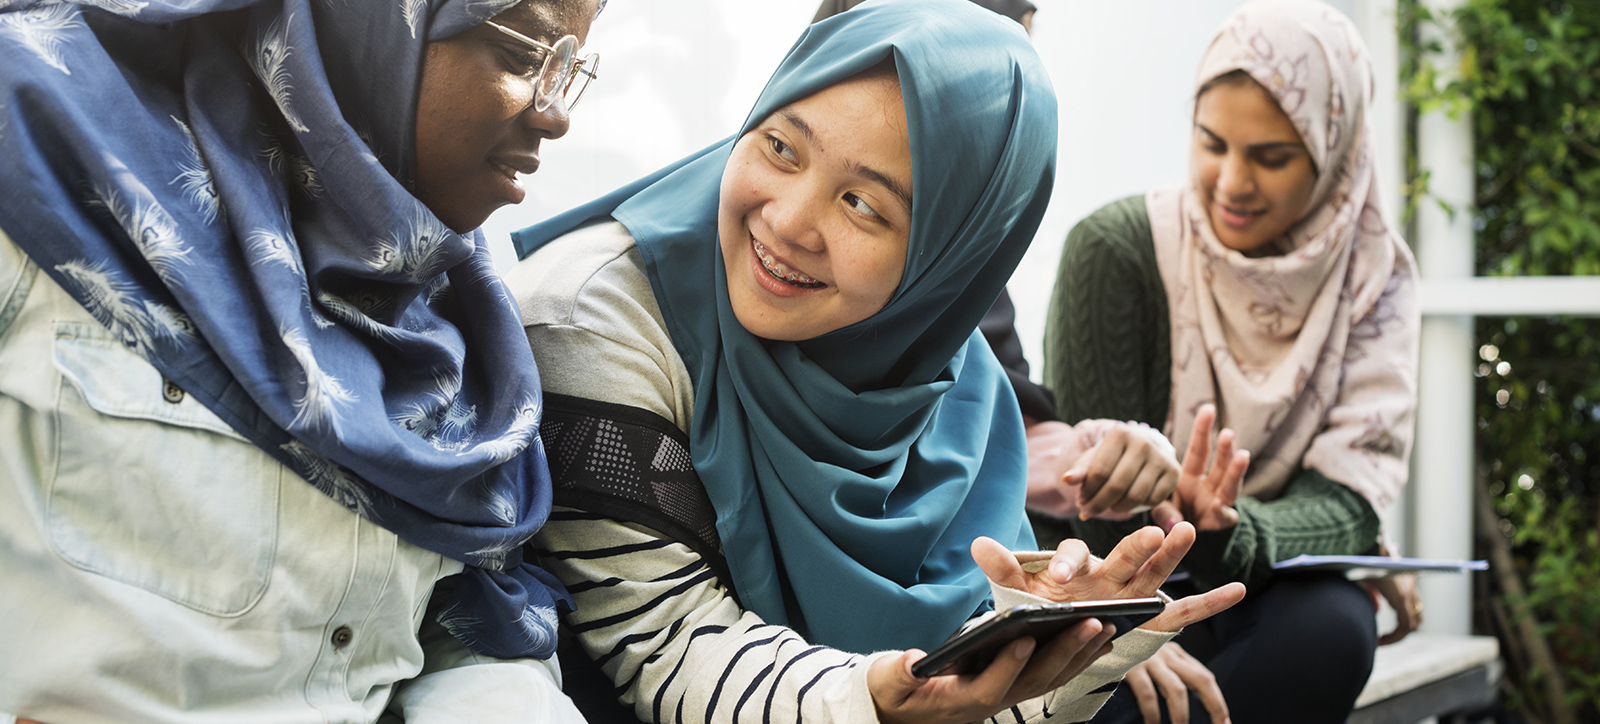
point(586, 65)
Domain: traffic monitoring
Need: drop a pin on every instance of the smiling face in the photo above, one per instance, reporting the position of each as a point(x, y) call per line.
point(815, 211)
point(1253, 173)
point(476, 126)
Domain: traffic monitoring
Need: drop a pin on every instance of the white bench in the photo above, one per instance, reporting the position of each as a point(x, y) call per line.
point(1429, 675)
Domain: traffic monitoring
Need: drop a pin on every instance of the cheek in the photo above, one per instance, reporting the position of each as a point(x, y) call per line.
point(1294, 190)
point(1203, 170)
point(875, 274)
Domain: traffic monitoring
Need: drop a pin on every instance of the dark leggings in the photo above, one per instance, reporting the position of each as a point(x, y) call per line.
point(1298, 650)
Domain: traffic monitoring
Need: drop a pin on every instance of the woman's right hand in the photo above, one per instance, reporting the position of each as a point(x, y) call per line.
point(1017, 674)
point(1171, 674)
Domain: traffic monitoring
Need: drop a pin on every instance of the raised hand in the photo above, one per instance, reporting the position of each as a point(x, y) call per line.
point(1136, 568)
point(1209, 485)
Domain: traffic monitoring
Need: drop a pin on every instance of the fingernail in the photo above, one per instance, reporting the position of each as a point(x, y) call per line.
point(1023, 649)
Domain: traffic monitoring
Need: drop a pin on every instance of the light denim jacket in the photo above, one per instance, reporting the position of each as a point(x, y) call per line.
point(157, 567)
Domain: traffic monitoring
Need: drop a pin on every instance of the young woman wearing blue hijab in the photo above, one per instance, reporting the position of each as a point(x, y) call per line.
point(264, 397)
point(777, 442)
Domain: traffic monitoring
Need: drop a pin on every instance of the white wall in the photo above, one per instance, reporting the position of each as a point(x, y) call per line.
point(677, 75)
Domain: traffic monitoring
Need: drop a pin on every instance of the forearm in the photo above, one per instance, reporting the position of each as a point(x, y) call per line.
point(1314, 516)
point(669, 636)
point(457, 684)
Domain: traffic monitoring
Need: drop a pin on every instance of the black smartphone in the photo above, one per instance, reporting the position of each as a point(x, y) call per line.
point(971, 650)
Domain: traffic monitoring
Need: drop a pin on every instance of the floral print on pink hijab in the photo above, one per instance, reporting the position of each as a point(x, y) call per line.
point(1309, 354)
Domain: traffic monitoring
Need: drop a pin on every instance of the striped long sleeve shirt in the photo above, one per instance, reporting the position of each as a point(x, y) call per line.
point(650, 612)
point(679, 648)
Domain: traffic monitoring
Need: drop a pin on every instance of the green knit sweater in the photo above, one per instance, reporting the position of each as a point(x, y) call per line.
point(1108, 354)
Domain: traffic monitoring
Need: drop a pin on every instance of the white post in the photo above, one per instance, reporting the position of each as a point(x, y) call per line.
point(1441, 483)
point(1378, 22)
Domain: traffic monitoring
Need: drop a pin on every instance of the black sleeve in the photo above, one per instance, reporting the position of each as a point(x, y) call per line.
point(999, 327)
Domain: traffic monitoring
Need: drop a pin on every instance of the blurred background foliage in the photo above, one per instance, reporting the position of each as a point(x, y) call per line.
point(1528, 79)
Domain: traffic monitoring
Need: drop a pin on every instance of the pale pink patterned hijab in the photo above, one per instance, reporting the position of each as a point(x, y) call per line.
point(1309, 354)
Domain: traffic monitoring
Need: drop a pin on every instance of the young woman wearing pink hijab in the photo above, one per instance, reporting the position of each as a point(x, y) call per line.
point(1268, 293)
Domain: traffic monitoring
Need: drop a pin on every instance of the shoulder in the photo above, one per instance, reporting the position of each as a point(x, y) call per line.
point(1119, 230)
point(552, 284)
point(595, 326)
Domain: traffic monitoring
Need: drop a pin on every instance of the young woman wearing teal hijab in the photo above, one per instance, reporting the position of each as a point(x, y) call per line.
point(774, 433)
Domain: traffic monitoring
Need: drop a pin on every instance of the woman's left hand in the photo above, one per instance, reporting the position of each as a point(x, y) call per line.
point(1401, 593)
point(1136, 568)
point(1209, 485)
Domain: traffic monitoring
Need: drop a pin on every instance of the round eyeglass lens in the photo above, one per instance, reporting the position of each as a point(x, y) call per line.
point(586, 70)
point(557, 69)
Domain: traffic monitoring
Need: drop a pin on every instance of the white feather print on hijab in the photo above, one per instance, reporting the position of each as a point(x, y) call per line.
point(41, 29)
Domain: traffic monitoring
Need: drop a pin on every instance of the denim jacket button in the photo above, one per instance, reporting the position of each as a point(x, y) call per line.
point(170, 391)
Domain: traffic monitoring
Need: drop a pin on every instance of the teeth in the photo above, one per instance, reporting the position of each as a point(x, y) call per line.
point(509, 172)
point(779, 269)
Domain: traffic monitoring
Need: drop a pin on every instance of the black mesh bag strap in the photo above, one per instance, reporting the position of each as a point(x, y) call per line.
point(631, 465)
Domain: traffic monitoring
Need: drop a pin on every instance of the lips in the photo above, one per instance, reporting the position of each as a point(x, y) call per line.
point(510, 166)
point(1233, 216)
point(780, 270)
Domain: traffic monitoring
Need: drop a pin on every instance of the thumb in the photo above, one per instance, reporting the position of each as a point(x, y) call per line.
point(890, 681)
point(998, 563)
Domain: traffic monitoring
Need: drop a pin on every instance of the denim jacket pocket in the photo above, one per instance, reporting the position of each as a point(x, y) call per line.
point(152, 489)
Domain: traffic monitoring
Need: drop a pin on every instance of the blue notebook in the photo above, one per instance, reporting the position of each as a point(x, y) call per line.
point(1362, 567)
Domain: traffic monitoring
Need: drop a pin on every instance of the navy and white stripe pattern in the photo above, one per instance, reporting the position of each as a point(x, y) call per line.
point(679, 648)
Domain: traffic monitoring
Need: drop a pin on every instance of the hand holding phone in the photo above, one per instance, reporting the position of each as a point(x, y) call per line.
point(972, 650)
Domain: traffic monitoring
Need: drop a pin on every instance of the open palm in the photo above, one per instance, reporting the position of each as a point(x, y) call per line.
point(1209, 484)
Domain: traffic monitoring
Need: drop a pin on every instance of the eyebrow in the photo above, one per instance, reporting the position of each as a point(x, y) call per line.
point(867, 172)
point(542, 30)
point(1270, 145)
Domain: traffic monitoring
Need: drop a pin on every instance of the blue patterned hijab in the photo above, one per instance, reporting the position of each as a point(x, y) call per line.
point(851, 472)
point(224, 185)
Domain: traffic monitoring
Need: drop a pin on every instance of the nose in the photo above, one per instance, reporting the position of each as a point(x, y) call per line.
point(551, 123)
point(1236, 180)
point(792, 213)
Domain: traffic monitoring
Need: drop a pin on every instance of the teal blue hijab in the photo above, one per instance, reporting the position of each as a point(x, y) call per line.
point(851, 472)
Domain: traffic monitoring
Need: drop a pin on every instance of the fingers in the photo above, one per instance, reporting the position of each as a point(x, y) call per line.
point(1101, 482)
point(1126, 561)
point(1064, 656)
point(1194, 459)
point(1146, 489)
point(1166, 515)
point(1224, 453)
point(1372, 595)
point(1092, 650)
point(1189, 609)
point(1144, 692)
point(1172, 689)
point(1155, 571)
point(1401, 593)
point(1119, 484)
point(997, 562)
point(1199, 679)
point(1070, 561)
point(890, 680)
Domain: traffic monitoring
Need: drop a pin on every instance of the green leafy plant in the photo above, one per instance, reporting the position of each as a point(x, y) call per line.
point(1529, 81)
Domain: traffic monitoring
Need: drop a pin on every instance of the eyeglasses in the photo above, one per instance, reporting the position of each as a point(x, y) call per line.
point(562, 75)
